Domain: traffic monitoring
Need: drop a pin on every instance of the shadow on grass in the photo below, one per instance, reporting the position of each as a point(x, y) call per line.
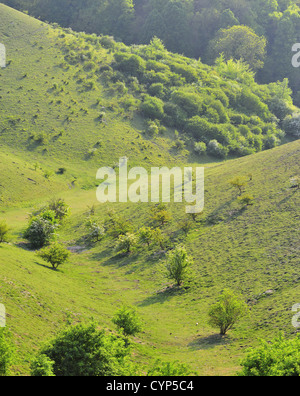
point(292, 192)
point(164, 295)
point(48, 267)
point(208, 342)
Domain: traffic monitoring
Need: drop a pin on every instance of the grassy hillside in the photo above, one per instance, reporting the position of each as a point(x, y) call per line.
point(252, 250)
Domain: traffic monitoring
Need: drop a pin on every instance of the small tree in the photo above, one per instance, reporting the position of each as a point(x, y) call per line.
point(3, 231)
point(161, 214)
point(127, 320)
point(225, 313)
point(126, 243)
point(160, 238)
point(146, 235)
point(178, 264)
point(186, 225)
point(239, 183)
point(56, 255)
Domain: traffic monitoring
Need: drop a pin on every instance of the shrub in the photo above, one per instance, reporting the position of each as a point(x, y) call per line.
point(291, 125)
point(157, 90)
point(152, 108)
point(174, 115)
point(41, 229)
point(188, 72)
point(190, 102)
point(225, 313)
point(279, 358)
point(96, 230)
point(178, 264)
point(170, 369)
point(200, 148)
point(127, 320)
point(60, 208)
point(126, 243)
point(83, 350)
point(199, 128)
point(6, 352)
point(56, 255)
point(130, 64)
point(116, 225)
point(279, 107)
point(161, 215)
point(42, 366)
point(216, 149)
point(4, 230)
point(146, 235)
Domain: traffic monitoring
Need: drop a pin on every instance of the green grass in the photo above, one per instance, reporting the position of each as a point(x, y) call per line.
point(251, 250)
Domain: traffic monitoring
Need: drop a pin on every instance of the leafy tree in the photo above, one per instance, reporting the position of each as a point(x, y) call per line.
point(127, 320)
point(178, 264)
point(239, 183)
point(227, 311)
point(56, 255)
point(146, 235)
point(279, 358)
point(83, 350)
point(240, 42)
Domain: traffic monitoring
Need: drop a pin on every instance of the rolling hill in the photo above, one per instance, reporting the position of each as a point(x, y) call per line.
point(57, 115)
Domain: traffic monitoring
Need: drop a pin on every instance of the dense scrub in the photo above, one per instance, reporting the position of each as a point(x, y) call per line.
point(263, 31)
point(220, 107)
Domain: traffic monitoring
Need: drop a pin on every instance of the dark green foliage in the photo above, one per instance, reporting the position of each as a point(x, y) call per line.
point(41, 229)
point(196, 29)
point(152, 108)
point(83, 350)
point(279, 358)
point(130, 64)
point(42, 366)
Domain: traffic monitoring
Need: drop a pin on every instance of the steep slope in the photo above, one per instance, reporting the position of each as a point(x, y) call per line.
point(253, 250)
